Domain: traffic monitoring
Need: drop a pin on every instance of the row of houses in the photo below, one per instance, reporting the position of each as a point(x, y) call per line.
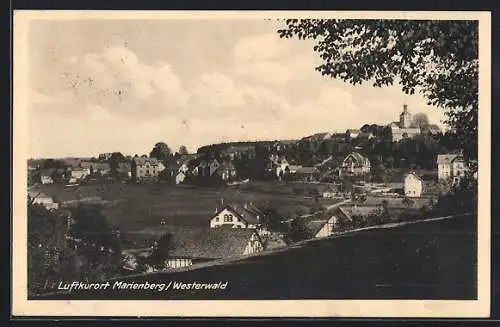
point(82, 170)
point(450, 168)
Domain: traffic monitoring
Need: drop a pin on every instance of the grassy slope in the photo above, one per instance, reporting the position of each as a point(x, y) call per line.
point(432, 260)
point(140, 206)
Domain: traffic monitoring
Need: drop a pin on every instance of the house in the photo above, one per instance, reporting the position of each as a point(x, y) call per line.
point(307, 173)
point(184, 161)
point(352, 133)
point(227, 171)
point(180, 177)
point(191, 245)
point(355, 164)
point(46, 176)
point(105, 156)
point(101, 168)
point(280, 164)
point(146, 169)
point(451, 167)
point(43, 199)
point(402, 128)
point(78, 173)
point(213, 165)
point(237, 216)
point(351, 214)
point(328, 223)
point(292, 169)
point(413, 185)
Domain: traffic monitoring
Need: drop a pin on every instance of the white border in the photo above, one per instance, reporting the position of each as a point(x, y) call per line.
point(289, 308)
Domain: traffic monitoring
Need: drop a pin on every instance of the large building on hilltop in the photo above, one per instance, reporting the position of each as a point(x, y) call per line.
point(402, 128)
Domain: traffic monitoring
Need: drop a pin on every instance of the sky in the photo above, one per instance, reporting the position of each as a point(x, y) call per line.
point(125, 84)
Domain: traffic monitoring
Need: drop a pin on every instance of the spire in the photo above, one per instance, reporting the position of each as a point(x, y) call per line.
point(405, 108)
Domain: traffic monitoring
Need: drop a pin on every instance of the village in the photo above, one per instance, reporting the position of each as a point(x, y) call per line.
point(172, 211)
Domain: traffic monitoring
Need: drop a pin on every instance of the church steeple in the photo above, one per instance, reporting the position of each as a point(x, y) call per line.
point(405, 117)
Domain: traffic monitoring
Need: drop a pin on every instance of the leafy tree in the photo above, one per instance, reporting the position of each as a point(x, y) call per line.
point(48, 253)
point(91, 226)
point(438, 59)
point(161, 151)
point(114, 161)
point(420, 120)
point(298, 230)
point(161, 251)
point(182, 150)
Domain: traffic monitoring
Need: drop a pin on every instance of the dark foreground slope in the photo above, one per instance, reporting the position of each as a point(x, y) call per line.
point(426, 260)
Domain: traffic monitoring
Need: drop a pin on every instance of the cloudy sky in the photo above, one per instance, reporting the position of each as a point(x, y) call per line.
point(123, 85)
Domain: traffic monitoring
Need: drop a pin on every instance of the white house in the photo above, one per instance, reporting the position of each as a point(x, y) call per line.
point(451, 167)
point(180, 177)
point(43, 199)
point(46, 179)
point(413, 185)
point(237, 216)
point(213, 166)
point(79, 173)
point(336, 222)
point(355, 164)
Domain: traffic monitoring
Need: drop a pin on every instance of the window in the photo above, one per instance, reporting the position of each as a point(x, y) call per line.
point(228, 218)
point(217, 219)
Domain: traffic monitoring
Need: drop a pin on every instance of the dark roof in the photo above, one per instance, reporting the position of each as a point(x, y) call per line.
point(416, 175)
point(186, 158)
point(307, 170)
point(448, 158)
point(140, 161)
point(362, 160)
point(196, 242)
point(352, 211)
point(314, 226)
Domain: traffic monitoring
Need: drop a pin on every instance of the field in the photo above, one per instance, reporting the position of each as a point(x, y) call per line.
point(424, 260)
point(395, 203)
point(138, 206)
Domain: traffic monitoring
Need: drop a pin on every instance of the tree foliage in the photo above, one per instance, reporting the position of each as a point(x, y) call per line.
point(90, 225)
point(438, 59)
point(161, 151)
point(182, 150)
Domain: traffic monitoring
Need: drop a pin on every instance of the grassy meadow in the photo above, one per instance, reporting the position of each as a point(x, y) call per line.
point(133, 206)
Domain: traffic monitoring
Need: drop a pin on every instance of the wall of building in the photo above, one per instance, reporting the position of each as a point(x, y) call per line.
point(413, 186)
point(254, 245)
point(227, 217)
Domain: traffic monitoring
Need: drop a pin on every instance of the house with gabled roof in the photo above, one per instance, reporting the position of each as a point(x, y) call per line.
point(451, 166)
point(355, 164)
point(190, 245)
point(143, 169)
point(237, 216)
point(413, 185)
point(46, 176)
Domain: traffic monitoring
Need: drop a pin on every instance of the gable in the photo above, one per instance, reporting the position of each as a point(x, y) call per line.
point(227, 211)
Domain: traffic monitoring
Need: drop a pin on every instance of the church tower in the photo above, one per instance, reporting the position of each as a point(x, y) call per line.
point(405, 118)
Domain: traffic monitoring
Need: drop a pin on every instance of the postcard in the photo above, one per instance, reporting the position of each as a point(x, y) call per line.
point(251, 164)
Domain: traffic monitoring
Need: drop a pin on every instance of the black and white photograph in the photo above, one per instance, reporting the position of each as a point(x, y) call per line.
point(225, 163)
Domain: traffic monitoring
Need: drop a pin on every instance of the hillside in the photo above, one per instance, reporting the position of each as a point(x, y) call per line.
point(426, 260)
